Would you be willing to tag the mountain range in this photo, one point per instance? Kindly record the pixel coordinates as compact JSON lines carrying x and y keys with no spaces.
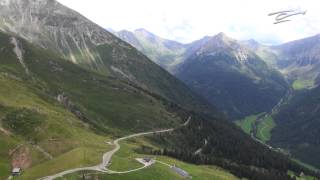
{"x":68,"y":85}
{"x":69,"y":88}
{"x":297,"y":121}
{"x":221,"y":69}
{"x":246,"y":79}
{"x":297,"y":60}
{"x":53,"y":26}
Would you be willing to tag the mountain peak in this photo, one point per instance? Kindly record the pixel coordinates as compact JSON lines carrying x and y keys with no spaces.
{"x":220,"y":41}
{"x":222,"y":37}
{"x":251,"y":43}
{"x":221,"y":34}
{"x":124,"y":31}
{"x":143,"y":31}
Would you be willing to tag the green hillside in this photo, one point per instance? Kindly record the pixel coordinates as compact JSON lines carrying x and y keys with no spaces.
{"x":59,"y":29}
{"x":125,"y":160}
{"x":247,"y":123}
{"x":92,"y":108}
{"x":297,"y":126}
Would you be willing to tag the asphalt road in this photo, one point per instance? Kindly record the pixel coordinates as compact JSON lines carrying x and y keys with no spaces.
{"x":108,"y":155}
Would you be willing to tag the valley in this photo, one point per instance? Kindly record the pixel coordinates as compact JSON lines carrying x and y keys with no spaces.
{"x":295,"y":63}
{"x":80,"y":102}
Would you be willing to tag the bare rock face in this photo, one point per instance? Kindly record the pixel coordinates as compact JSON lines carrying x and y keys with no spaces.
{"x":21,"y":158}
{"x":68,"y":104}
{"x":51,"y":25}
{"x":220,"y":44}
{"x":18,"y":50}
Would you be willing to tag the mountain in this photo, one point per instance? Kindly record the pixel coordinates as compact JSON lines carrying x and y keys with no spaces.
{"x":300,"y":60}
{"x":298,"y":125}
{"x":53,"y":26}
{"x":297,"y":60}
{"x":214,"y":67}
{"x":52,"y":110}
{"x":164,"y":52}
{"x":297,"y":120}
{"x":254,"y":77}
{"x":265,"y":52}
{"x":59,"y":113}
{"x":232,"y":77}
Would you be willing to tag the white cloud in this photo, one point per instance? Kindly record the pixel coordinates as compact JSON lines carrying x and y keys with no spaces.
{"x":188,"y":20}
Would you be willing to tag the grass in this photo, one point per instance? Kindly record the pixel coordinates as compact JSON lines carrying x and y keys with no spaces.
{"x":78,"y":157}
{"x":300,"y":84}
{"x":308,"y":166}
{"x":109,"y":106}
{"x":6,"y":143}
{"x":30,"y":112}
{"x":124,"y":160}
{"x":264,"y":129}
{"x":247,"y":123}
{"x":159,"y":171}
{"x":72,"y":137}
{"x":298,"y":177}
{"x":23,"y":122}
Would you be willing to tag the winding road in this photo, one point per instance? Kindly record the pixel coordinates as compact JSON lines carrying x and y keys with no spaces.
{"x":106,"y":158}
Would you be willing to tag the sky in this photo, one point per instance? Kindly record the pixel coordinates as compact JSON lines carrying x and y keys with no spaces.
{"x":189,"y":20}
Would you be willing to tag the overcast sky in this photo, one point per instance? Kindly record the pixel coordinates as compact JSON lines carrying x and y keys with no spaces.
{"x":189,"y":20}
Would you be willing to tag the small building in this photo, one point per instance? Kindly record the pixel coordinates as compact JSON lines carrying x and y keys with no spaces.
{"x":147,"y":160}
{"x":16,"y":171}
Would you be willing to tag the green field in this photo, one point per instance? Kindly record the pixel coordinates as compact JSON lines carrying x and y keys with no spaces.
{"x":247,"y":123}
{"x":302,"y":84}
{"x":125,"y":160}
{"x":264,"y":129}
{"x":301,"y":177}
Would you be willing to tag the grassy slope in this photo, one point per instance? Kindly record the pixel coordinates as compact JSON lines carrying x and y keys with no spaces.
{"x":303,"y":177}
{"x":108,"y":103}
{"x":302,"y":84}
{"x":59,"y":124}
{"x":6,"y":143}
{"x":148,"y":75}
{"x":264,"y":129}
{"x":159,"y":171}
{"x":247,"y":123}
{"x":124,"y":160}
{"x":110,"y":106}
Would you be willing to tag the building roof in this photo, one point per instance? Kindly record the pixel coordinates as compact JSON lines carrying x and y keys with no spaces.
{"x":16,"y":170}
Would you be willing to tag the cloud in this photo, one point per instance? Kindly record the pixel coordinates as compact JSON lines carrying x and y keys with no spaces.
{"x":188,"y":20}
